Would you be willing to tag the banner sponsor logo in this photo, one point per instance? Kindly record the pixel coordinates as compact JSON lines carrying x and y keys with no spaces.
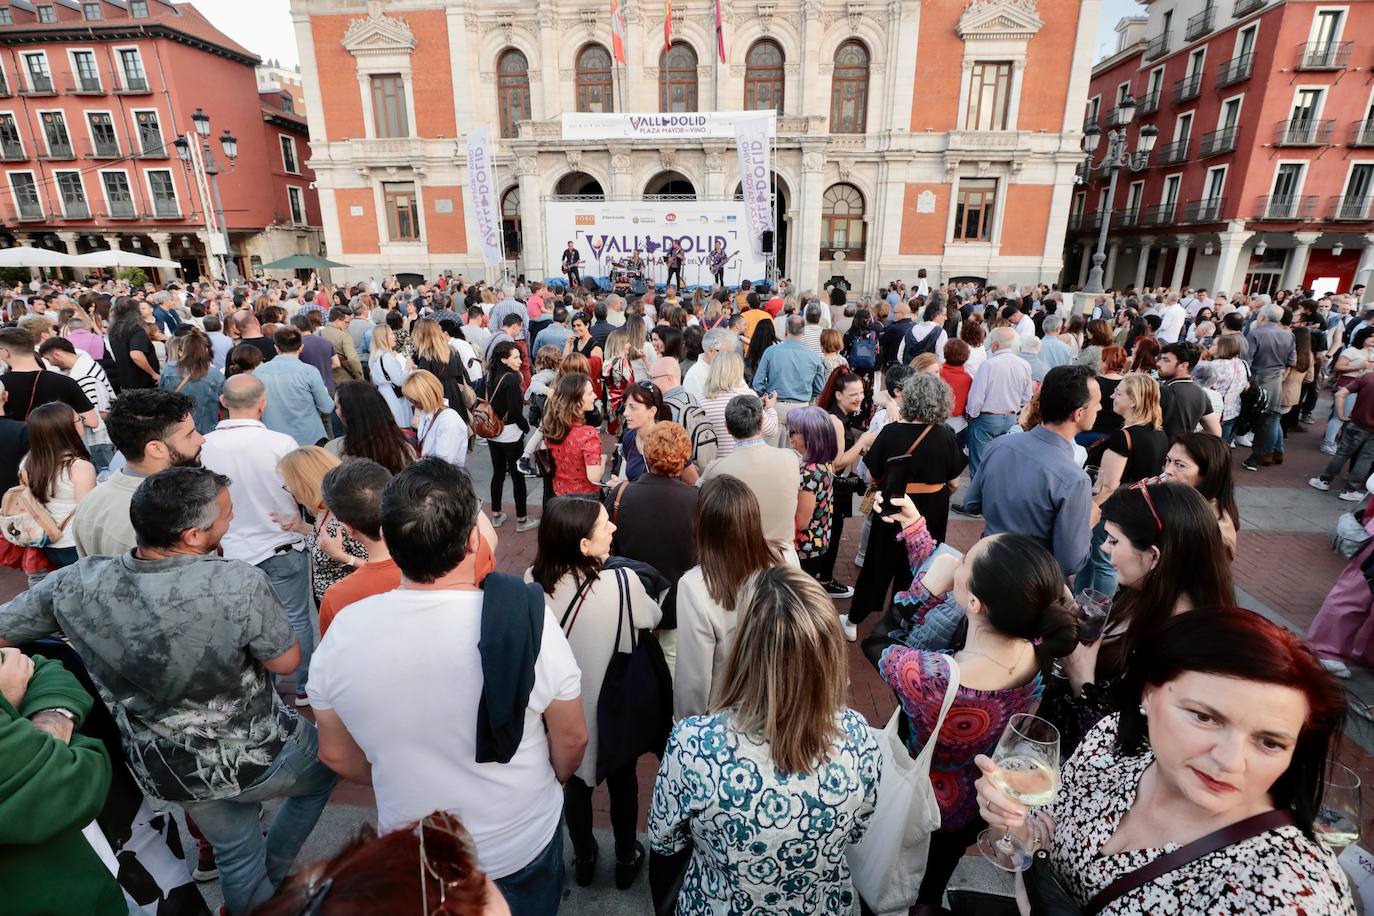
{"x":655,"y":126}
{"x":486,"y":209}
{"x":751,"y":143}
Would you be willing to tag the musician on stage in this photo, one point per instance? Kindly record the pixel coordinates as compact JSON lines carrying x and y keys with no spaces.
{"x":676,"y":258}
{"x":570,"y":261}
{"x":636,"y":264}
{"x":718,"y":259}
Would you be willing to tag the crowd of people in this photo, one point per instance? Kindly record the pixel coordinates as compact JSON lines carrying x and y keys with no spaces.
{"x":258,"y":564}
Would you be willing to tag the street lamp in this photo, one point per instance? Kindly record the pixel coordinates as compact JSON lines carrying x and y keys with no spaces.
{"x":1116,"y":158}
{"x":230,"y":146}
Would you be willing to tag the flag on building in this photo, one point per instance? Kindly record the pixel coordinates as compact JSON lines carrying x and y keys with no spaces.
{"x":720,"y":34}
{"x":618,"y":32}
{"x":668,"y":25}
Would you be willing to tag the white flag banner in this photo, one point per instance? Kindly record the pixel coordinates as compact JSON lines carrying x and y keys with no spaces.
{"x":486,"y":209}
{"x":751,"y":142}
{"x":695,"y":125}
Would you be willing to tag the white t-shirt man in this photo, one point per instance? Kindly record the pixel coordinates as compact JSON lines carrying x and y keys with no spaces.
{"x":403,"y":672}
{"x":1171,"y":322}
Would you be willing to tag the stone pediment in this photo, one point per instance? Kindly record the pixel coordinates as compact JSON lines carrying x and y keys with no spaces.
{"x":999,"y":19}
{"x":378,"y":34}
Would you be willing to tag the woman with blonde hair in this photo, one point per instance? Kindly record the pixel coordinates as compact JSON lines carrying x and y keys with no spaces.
{"x":435,"y":355}
{"x":778,"y":719}
{"x":389,"y":373}
{"x":439,"y":428}
{"x":333,"y":553}
{"x":725,"y":381}
{"x":194,"y":375}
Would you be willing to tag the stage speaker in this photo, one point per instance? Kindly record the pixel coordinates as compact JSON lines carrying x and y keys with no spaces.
{"x":590,"y":285}
{"x":768,"y":241}
{"x":639,"y":287}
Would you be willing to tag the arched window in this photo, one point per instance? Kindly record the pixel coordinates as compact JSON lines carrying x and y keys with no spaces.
{"x":763,"y":76}
{"x":670,"y":185}
{"x":512,"y":90}
{"x":677,"y":79}
{"x":594,"y":87}
{"x":849,"y":89}
{"x":842,"y":222}
{"x":579,"y":184}
{"x":510,"y":221}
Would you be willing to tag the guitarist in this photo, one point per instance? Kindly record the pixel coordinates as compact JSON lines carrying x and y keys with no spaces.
{"x":571,"y":261}
{"x":718,"y":259}
{"x":676,"y":258}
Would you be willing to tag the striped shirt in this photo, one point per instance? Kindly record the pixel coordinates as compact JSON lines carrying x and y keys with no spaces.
{"x":715,"y":412}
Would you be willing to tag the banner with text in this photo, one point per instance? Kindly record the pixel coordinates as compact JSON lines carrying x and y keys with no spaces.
{"x":751,"y":142}
{"x":609,"y":231}
{"x":486,"y":208}
{"x":703,"y":125}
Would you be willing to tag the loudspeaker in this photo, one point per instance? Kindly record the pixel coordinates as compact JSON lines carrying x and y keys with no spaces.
{"x":767,"y":241}
{"x":639,"y":287}
{"x":590,"y":285}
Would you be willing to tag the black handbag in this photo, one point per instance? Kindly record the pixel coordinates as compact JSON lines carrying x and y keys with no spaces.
{"x":634,"y":712}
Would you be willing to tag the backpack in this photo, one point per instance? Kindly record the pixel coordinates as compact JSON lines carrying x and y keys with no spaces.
{"x":1254,"y":404}
{"x":913,"y":348}
{"x":485,"y":422}
{"x":25,"y":523}
{"x":863,"y":352}
{"x":689,"y":414}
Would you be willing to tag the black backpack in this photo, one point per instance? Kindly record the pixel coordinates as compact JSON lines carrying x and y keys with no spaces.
{"x":927,"y":344}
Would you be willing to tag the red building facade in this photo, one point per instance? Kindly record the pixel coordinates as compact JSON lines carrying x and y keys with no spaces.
{"x":1263,"y":173}
{"x":92,"y":98}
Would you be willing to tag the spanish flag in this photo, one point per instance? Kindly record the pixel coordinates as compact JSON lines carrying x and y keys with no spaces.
{"x":668,"y":25}
{"x":618,"y":31}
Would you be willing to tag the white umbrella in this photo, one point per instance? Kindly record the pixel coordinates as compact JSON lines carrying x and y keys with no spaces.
{"x":25,"y":256}
{"x":117,"y":257}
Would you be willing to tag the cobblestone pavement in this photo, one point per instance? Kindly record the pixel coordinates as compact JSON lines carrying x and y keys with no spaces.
{"x":1284,"y":567}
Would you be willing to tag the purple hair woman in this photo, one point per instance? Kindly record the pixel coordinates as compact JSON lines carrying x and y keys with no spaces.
{"x":812,"y":435}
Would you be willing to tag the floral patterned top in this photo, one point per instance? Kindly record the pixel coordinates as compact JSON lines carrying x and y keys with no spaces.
{"x":820,"y":480}
{"x":1229,"y":379}
{"x":1280,"y":871}
{"x":763,"y":842}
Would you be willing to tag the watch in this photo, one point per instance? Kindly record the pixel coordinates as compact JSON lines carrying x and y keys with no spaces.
{"x":64,"y":713}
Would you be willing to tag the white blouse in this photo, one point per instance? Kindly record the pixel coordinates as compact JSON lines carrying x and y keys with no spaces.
{"x":443,"y":434}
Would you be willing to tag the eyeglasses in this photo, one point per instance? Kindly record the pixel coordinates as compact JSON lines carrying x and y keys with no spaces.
{"x":441,"y":827}
{"x":1144,"y":488}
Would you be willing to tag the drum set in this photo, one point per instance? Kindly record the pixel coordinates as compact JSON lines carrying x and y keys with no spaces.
{"x":627,"y":278}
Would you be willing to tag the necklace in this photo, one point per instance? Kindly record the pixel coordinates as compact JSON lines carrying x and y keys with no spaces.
{"x":1010,"y":669}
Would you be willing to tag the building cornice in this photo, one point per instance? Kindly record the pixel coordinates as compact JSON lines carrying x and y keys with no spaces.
{"x":117,"y":31}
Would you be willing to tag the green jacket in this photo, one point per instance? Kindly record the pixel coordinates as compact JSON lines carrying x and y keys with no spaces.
{"x":49,"y":791}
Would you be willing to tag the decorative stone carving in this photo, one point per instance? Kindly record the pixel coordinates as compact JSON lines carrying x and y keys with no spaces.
{"x":574,"y":159}
{"x":844,"y":171}
{"x":527,"y":165}
{"x":378,"y":34}
{"x":813,"y":161}
{"x":791,"y":68}
{"x":999,"y":19}
{"x":855,"y":10}
{"x":567,"y":74}
{"x":811,"y":9}
{"x":894,"y":9}
{"x":590,"y":16}
{"x":506,"y":23}
{"x":621,"y":164}
{"x":715,"y":162}
{"x":737,"y":70}
{"x":984,"y":166}
{"x":667,"y":158}
{"x":765,"y":13}
{"x":546,"y":18}
{"x":826,"y":67}
{"x":651,"y":73}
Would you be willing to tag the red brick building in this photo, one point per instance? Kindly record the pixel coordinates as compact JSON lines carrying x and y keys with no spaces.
{"x":1263,"y":174}
{"x":92,"y":96}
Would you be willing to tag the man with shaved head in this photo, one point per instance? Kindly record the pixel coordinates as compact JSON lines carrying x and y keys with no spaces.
{"x":247,"y":452}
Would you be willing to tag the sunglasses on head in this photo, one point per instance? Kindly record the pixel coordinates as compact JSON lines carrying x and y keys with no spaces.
{"x":1144,"y":488}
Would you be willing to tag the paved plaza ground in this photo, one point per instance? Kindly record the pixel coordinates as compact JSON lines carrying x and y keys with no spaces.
{"x":1284,"y":567}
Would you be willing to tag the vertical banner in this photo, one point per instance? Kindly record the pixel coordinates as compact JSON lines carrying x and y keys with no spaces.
{"x":720,"y":34}
{"x":668,"y":25}
{"x":486,"y":209}
{"x":751,"y":142}
{"x":618,"y":31}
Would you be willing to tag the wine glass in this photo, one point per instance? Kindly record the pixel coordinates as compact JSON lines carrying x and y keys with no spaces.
{"x":1338,"y":820}
{"x":1027,"y":759}
{"x":1093,"y":608}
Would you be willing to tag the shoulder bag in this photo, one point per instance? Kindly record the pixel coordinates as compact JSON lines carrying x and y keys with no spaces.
{"x":1048,"y":897}
{"x":395,"y":388}
{"x":866,"y":505}
{"x":24,"y":522}
{"x":634,"y":712}
{"x":889,"y":862}
{"x":485,"y":422}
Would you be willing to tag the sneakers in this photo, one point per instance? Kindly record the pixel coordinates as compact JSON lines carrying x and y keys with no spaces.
{"x":627,"y":871}
{"x":1352,"y":496}
{"x":837,"y":591}
{"x":302,"y":699}
{"x":498,"y":519}
{"x":967,"y":513}
{"x":1317,"y":483}
{"x":207,"y":870}
{"x":584,"y":869}
{"x":1247,"y":440}
{"x":1250,"y":464}
{"x":1327,"y":449}
{"x":851,"y":631}
{"x":1307,"y":419}
{"x":1335,"y":666}
{"x":525,"y":524}
{"x":523,"y":466}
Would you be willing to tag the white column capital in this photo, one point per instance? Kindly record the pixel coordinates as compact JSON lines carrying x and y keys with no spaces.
{"x":1368,"y":239}
{"x":1184,"y":241}
{"x":112,"y":239}
{"x":1306,"y":239}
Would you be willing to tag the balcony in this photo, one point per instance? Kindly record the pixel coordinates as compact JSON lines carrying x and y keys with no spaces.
{"x":28,"y":210}
{"x":1217,"y":142}
{"x":106,"y":149}
{"x":1158,"y":215}
{"x":1075,"y":221}
{"x":5,"y":91}
{"x":76,"y":209}
{"x":1352,"y":209}
{"x":152,"y":149}
{"x":1207,"y":210}
{"x":1148,"y":104}
{"x":1200,"y":24}
{"x":60,"y":151}
{"x":1157,"y":46}
{"x":1117,"y":117}
{"x":39,"y":85}
{"x":1235,"y":70}
{"x":1093,"y":220}
{"x":1246,"y":7}
{"x":1127,"y":217}
{"x":121,"y":206}
{"x":1324,"y":55}
{"x":1285,"y":208}
{"x":1188,"y":88}
{"x":12,"y":152}
{"x":1362,"y":133}
{"x":1174,"y":153}
{"x":1304,"y":132}
{"x":165,"y":209}
{"x":86,"y":85}
{"x":134,"y":85}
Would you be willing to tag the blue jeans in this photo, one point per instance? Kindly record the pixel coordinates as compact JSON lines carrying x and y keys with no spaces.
{"x":981,"y":431}
{"x":1268,"y":436}
{"x":251,"y":865}
{"x":537,"y":889}
{"x":1228,"y":430}
{"x":1099,"y":573}
{"x":290,"y":575}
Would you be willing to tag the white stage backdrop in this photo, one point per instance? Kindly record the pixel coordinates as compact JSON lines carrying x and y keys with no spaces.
{"x":606,"y":231}
{"x":619,"y":125}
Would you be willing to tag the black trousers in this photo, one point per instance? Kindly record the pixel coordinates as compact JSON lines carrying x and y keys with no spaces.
{"x":885,"y":567}
{"x":574,"y":277}
{"x":947,"y":848}
{"x":623,"y":787}
{"x":504,"y":455}
{"x":718,"y":277}
{"x":674,"y":272}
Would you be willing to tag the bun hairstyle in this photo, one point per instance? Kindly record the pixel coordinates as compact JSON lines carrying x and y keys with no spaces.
{"x":1021,"y":585}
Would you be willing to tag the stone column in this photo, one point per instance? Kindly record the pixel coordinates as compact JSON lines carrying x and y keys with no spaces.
{"x":811,"y":31}
{"x":112,"y":240}
{"x":531,"y":229}
{"x":1142,"y":261}
{"x":1297,"y":261}
{"x":68,"y":240}
{"x":1085,"y":263}
{"x":1364,"y":273}
{"x":621,"y":165}
{"x":1109,"y":269}
{"x":163,"y":241}
{"x":27,"y":242}
{"x":807,"y":269}
{"x":1185,"y":246}
{"x":1232,"y":243}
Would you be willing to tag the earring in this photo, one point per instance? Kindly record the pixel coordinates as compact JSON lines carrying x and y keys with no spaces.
{"x":1142,"y":709}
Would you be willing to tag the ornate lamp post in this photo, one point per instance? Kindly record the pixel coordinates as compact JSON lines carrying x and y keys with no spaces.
{"x":202,"y":160}
{"x":1115,"y":159}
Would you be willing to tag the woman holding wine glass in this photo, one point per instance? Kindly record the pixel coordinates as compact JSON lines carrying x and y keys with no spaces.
{"x":1224,"y":745}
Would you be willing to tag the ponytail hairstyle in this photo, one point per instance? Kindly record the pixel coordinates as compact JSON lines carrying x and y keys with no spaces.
{"x":1021,"y":586}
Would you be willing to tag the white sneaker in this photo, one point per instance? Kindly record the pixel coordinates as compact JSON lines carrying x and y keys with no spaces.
{"x":1327,"y":449}
{"x":1352,"y":496}
{"x":1246,"y":441}
{"x":851,"y":631}
{"x":1336,"y":667}
{"x":1317,"y":483}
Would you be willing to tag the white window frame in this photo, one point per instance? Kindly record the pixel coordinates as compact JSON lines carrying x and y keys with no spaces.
{"x":100,"y":8}
{"x":305,"y":214}
{"x":1316,"y":21}
{"x":105,"y":192}
{"x":76,"y":74}
{"x":1207,"y":182}
{"x":1239,"y":99}
{"x":57,"y":188}
{"x":399,"y":64}
{"x":1198,"y":54}
{"x":1349,"y":174}
{"x":1122,"y":90}
{"x":1136,"y":191}
{"x":1079,"y":204}
{"x":384,"y":227}
{"x":1094,"y":111}
{"x":1155,"y":82}
{"x":37,"y":190}
{"x":282,"y":140}
{"x":118,"y":51}
{"x":152,"y":200}
{"x":1176,"y":179}
{"x":45,"y":9}
{"x":1323,"y":93}
{"x":1302,"y":175}
{"x":1254,"y":45}
{"x":994,"y":239}
{"x":136,"y":138}
{"x":6,"y":17}
{"x":1180,"y":119}
{"x":90,"y":131}
{"x":15,"y":117}
{"x":43,"y":131}
{"x":28,"y":76}
{"x":146,"y":11}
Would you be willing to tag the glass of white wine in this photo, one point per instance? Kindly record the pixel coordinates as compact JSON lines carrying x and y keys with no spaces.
{"x":1338,"y":820}
{"x":1027,"y":759}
